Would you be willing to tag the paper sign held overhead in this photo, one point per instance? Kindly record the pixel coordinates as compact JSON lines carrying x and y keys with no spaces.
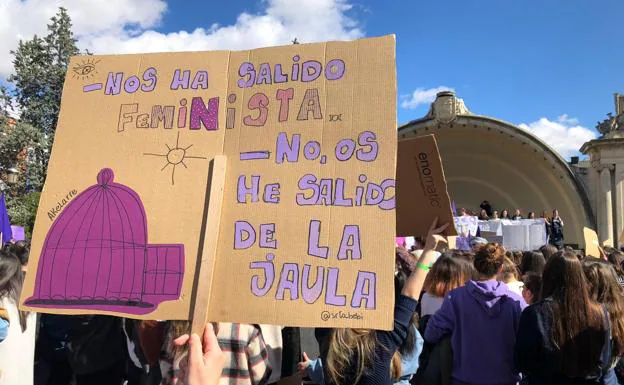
{"x":592,"y":245}
{"x":421,"y":188}
{"x":307,"y":226}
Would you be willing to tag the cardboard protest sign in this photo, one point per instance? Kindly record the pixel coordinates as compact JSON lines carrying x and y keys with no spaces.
{"x":421,"y":193}
{"x":307,"y":223}
{"x":592,"y":245}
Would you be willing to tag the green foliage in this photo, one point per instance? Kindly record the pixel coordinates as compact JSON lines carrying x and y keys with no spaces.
{"x":23,"y":210}
{"x":39,"y":65}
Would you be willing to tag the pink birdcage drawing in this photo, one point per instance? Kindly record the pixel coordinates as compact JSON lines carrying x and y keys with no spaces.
{"x":96,"y":256}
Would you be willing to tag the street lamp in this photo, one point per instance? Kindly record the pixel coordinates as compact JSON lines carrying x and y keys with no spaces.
{"x":12,"y":175}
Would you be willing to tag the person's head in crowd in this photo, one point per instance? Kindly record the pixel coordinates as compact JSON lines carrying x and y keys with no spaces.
{"x":419,"y":243}
{"x":555,"y":213}
{"x":489,"y":261}
{"x":532,"y":262}
{"x":404,"y":259}
{"x":21,"y":250}
{"x":483,"y":215}
{"x":616,"y":259}
{"x":548,"y":251}
{"x":516,"y":257}
{"x":504,"y":214}
{"x":605,"y":289}
{"x":510,"y":276}
{"x":509,"y":273}
{"x":532,"y":288}
{"x":11,"y":281}
{"x":462,"y":212}
{"x":477,"y":242}
{"x":446,"y":274}
{"x":495,"y":214}
{"x":517,"y":214}
{"x":577,"y":321}
{"x":531,"y":215}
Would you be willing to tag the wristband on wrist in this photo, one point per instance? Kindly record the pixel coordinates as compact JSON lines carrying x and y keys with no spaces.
{"x":423,"y":267}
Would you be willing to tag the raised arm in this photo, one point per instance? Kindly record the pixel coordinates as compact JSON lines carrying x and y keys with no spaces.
{"x":414,"y":283}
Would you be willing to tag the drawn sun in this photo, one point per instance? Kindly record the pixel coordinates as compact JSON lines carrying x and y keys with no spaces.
{"x":175,"y":156}
{"x":86,"y":69}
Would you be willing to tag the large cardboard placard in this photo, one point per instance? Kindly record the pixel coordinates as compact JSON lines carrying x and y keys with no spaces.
{"x":307,"y":226}
{"x":592,"y":244}
{"x":421,"y":188}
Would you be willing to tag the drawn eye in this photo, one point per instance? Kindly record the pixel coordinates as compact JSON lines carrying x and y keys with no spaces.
{"x":84,"y":69}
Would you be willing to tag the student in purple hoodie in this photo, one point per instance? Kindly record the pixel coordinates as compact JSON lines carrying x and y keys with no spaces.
{"x":482,"y":319}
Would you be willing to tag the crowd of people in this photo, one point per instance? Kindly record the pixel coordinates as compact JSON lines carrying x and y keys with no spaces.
{"x":484,"y":316}
{"x":554,"y":224}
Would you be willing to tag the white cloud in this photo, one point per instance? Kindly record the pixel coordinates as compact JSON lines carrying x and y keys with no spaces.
{"x":124,"y":26}
{"x":564,"y":134}
{"x":422,"y":96}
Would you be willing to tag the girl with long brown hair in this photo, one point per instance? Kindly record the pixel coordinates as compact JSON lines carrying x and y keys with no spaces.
{"x":605,"y":289}
{"x":364,"y":356}
{"x":446,"y":274}
{"x":565,"y":337}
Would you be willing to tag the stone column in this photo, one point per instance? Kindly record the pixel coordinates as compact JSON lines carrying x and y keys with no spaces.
{"x":605,"y":207}
{"x":619,"y":201}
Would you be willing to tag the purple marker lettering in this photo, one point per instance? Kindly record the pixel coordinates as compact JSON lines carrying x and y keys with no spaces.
{"x":200,"y":80}
{"x":334,"y":69}
{"x":310,"y":70}
{"x":312,"y":294}
{"x":331,"y":296}
{"x":388,"y":203}
{"x":287,"y":149}
{"x":244,"y":235}
{"x":350,"y":243}
{"x":269,"y":276}
{"x":313,"y":241}
{"x":361,"y":292}
{"x":150,"y":76}
{"x":307,"y":182}
{"x":367,"y":139}
{"x":374,"y":194}
{"x":278,"y":75}
{"x":267,"y":232}
{"x":288,"y":282}
{"x":340,"y":199}
{"x":264,"y":75}
{"x":325,"y":193}
{"x":312,"y":150}
{"x":113,"y":83}
{"x":246,"y":69}
{"x":272,"y":193}
{"x":243,"y":190}
{"x":345,"y":149}
{"x":180,"y":79}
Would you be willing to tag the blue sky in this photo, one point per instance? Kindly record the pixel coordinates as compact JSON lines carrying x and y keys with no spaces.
{"x":516,"y":60}
{"x":550,"y":66}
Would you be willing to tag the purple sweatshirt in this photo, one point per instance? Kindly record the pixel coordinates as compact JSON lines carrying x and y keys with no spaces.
{"x":482,"y":319}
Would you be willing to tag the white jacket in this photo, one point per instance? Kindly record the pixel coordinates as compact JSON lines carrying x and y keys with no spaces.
{"x":17,"y":351}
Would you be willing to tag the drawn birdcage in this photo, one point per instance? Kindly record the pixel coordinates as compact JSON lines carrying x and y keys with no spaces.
{"x":96,"y":255}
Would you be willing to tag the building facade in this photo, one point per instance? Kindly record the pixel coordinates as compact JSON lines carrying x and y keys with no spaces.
{"x":489,"y":159}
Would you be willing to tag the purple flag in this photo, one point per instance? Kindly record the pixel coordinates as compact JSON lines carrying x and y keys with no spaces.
{"x":5,"y":225}
{"x":453,"y":208}
{"x":18,"y":233}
